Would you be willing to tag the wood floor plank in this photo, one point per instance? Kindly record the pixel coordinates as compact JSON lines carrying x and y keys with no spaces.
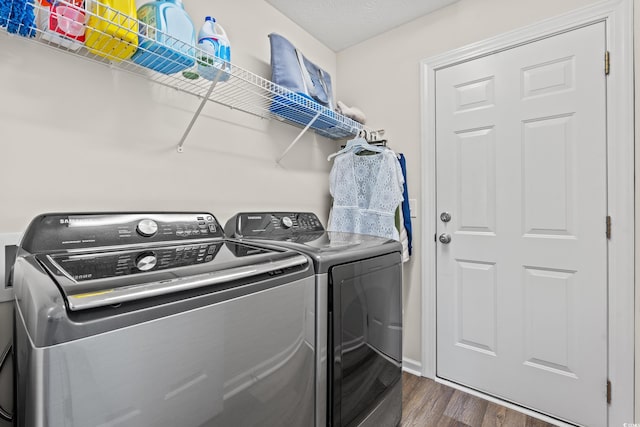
{"x":427,"y":399}
{"x":534,"y":422}
{"x":429,"y":407}
{"x":409,"y":383}
{"x":494,"y":416}
{"x":466,"y":408}
{"x":446,"y":421}
{"x":427,"y":403}
{"x":499,"y":416}
{"x":516,"y":419}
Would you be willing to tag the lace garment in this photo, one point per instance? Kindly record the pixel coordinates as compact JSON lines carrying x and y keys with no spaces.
{"x":366,"y":191}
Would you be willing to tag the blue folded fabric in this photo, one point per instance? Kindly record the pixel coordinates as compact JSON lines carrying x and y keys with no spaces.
{"x":292,"y":70}
{"x":406,"y":212}
{"x":18,"y":17}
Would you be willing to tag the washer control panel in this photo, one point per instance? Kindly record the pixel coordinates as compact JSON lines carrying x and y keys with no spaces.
{"x":270,"y":225}
{"x":92,"y":266}
{"x":54,"y":232}
{"x":147,"y":227}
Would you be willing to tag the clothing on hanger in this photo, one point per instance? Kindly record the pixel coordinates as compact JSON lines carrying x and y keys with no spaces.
{"x":366,"y":191}
{"x":357,"y":145}
{"x":404,"y":240}
{"x":406,"y":212}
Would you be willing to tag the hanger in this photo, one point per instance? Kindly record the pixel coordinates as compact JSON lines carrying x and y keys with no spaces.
{"x":356,"y":145}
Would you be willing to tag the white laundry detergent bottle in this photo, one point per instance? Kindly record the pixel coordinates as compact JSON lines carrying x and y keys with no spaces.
{"x":215,"y":51}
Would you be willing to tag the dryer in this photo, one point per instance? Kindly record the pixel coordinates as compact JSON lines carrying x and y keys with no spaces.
{"x":155,"y":319}
{"x":358,"y":314}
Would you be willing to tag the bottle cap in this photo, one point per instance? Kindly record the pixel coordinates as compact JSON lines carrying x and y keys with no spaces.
{"x":209,"y":18}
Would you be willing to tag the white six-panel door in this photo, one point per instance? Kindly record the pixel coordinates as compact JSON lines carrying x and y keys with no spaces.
{"x":521,"y":169}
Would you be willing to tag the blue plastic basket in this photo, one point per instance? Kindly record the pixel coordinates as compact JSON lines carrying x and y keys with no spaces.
{"x":301,"y":109}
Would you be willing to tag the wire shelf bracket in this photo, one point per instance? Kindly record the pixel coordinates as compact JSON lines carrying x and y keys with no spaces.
{"x":295,"y":141}
{"x":197,"y":114}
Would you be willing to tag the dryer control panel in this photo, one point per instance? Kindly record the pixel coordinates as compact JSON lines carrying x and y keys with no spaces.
{"x":61,"y":232}
{"x":273,"y":225}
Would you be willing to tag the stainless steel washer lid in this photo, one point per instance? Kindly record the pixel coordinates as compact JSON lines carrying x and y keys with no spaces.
{"x":307,"y":235}
{"x":94,"y":279}
{"x":78,"y":275}
{"x":100,"y":259}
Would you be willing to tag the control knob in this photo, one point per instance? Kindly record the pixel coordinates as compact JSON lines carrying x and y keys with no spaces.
{"x":147,"y":228}
{"x":146,"y":261}
{"x":286,"y":222}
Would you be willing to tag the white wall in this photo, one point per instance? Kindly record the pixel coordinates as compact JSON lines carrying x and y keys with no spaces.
{"x":79,"y":136}
{"x":382,"y":77}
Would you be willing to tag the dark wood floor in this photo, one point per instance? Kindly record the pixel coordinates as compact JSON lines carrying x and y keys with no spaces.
{"x":426,"y":403}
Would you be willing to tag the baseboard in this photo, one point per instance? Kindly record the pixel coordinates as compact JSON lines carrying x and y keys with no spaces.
{"x":412,"y":366}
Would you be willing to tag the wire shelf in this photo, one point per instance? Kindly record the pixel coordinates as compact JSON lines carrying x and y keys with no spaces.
{"x":101,"y":34}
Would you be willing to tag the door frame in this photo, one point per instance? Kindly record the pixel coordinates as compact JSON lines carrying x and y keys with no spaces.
{"x":618,"y":17}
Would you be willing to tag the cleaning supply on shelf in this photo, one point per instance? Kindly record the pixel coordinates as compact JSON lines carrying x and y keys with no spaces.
{"x":63,"y":23}
{"x":18,"y":17}
{"x":351,"y":112}
{"x":215,"y":51}
{"x":112,"y":30}
{"x":167,"y":37}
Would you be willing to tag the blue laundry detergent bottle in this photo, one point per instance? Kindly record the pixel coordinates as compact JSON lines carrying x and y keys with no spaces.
{"x":166,"y":38}
{"x":214,"y":51}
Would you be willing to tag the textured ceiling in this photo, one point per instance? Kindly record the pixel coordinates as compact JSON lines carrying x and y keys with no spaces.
{"x":343,"y":23}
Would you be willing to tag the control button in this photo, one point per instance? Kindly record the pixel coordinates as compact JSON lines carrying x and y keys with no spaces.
{"x":146,"y":261}
{"x":201,"y":222}
{"x":147,"y":228}
{"x":286,"y":222}
{"x":211,"y":249}
{"x":209,"y":218}
{"x":212,"y":228}
{"x":204,"y":231}
{"x":208,"y":258}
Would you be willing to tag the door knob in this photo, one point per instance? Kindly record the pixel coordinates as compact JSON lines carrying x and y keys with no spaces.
{"x":445,"y":217}
{"x":445,"y":238}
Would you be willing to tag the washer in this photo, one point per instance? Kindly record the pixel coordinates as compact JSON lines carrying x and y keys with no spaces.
{"x":155,"y":319}
{"x":359,"y":314}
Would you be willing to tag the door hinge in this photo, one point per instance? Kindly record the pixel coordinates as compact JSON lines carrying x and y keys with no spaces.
{"x":608,"y":227}
{"x":606,"y":63}
{"x":608,"y":392}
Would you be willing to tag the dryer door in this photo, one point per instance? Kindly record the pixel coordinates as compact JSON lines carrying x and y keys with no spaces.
{"x":365,"y":324}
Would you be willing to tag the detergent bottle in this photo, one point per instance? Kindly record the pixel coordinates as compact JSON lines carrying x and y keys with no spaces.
{"x":215,"y":51}
{"x":167,"y":37}
{"x":63,"y":23}
{"x":112,"y":30}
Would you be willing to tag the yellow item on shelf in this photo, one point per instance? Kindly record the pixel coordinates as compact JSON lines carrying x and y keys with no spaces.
{"x":112,"y":30}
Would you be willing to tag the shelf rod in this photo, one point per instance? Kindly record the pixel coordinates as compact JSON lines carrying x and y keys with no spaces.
{"x":295,"y":141}
{"x":198,"y":111}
